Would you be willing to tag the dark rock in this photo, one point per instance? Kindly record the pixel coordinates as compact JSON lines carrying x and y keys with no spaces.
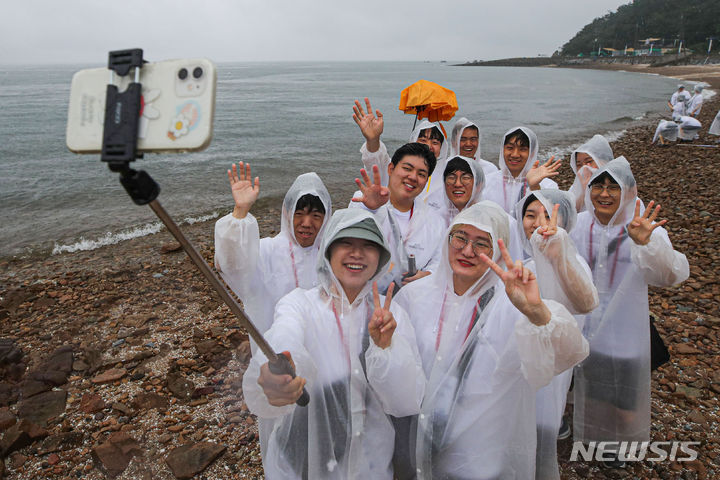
{"x":9,"y":351}
{"x":122,"y":408}
{"x":149,"y":401}
{"x":19,"y":436}
{"x":189,"y":460}
{"x":93,"y":358}
{"x":115,"y":454}
{"x":8,"y":394}
{"x":243,"y":352}
{"x":53,"y":377}
{"x":43,"y":406}
{"x":91,"y":403}
{"x":30,"y":388}
{"x":180,"y":386}
{"x":170,"y":247}
{"x":64,"y":439}
{"x":236,"y":338}
{"x":207,"y":346}
{"x":200,"y":391}
{"x":61,"y":360}
{"x":7,"y":419}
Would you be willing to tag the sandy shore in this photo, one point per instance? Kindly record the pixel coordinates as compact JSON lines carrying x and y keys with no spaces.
{"x":157,"y":361}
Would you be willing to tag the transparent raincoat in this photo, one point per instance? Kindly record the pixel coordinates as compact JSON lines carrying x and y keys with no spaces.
{"x":261,"y":271}
{"x":600,"y":150}
{"x":433,"y":190}
{"x":421,"y":238}
{"x":484,"y":361}
{"x":460,"y":125}
{"x":688,"y":127}
{"x":667,"y":129}
{"x":563,"y":276}
{"x":504,"y":189}
{"x":715,"y":125}
{"x":696,"y":102}
{"x":344,"y":432}
{"x":612,"y":386}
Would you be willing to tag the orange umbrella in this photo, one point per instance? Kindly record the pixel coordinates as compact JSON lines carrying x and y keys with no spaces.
{"x":428,"y":100}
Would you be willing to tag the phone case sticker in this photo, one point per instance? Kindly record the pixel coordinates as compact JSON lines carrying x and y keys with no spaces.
{"x":147,"y":110}
{"x":187,"y":117}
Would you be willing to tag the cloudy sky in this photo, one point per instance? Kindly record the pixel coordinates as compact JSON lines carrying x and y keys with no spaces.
{"x":69,"y":31}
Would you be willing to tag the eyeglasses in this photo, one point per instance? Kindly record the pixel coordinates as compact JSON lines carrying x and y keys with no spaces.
{"x":466,"y":179}
{"x":458,"y":241}
{"x":612,"y":189}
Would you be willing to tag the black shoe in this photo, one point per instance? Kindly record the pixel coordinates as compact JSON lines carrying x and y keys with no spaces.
{"x":564,"y":431}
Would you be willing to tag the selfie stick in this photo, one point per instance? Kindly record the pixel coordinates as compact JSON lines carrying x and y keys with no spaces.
{"x":122,"y":115}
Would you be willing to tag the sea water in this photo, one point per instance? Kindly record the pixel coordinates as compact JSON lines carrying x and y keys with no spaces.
{"x":285,"y":119}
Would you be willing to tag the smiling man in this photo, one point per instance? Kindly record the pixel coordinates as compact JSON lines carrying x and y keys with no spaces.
{"x":410,"y":226}
{"x":520,"y":170}
{"x":465,"y":141}
{"x":259,"y":271}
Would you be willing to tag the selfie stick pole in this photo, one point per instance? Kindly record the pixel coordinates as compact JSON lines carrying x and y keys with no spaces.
{"x":122,"y":113}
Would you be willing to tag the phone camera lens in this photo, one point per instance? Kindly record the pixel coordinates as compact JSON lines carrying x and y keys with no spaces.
{"x":182,"y":74}
{"x":197,"y":73}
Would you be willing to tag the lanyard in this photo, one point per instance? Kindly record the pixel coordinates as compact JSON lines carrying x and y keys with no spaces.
{"x":292,"y":258}
{"x":617,"y":251}
{"x":340,"y":331}
{"x":522,"y":192}
{"x":473,"y":319}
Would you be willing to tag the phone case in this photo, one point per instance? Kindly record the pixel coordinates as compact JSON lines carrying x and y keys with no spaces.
{"x":177,"y":106}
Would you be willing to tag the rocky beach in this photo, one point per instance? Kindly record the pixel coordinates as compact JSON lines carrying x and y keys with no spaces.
{"x":121,"y":362}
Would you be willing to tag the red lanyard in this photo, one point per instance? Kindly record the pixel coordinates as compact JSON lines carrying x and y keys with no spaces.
{"x":617,"y":252}
{"x":340,"y":331}
{"x":442,"y":320}
{"x":292,"y":258}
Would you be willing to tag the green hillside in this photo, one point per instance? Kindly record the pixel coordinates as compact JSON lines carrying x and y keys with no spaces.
{"x":691,"y":21}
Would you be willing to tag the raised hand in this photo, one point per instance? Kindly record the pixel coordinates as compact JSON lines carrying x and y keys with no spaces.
{"x":520,"y":286}
{"x":547,"y":229}
{"x":382,"y":323}
{"x":539,"y":172}
{"x":371,"y":124}
{"x":420,"y":274}
{"x":374,"y":195}
{"x":584,"y":175}
{"x":280,"y":390}
{"x":243,"y":191}
{"x":642,"y":226}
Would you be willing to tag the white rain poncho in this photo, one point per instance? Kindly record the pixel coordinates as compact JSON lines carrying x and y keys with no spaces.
{"x":667,"y":129}
{"x":344,"y":432}
{"x":460,"y":125}
{"x":559,"y":269}
{"x":504,"y":189}
{"x":433,"y":190}
{"x":689,"y":127}
{"x":680,"y":97}
{"x":600,"y":150}
{"x":261,"y":271}
{"x":715,"y":125}
{"x":612,"y":386}
{"x":421,"y":237}
{"x":696,"y":102}
{"x":484,"y":361}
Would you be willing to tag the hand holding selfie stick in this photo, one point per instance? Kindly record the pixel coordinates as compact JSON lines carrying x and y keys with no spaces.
{"x":122,"y":115}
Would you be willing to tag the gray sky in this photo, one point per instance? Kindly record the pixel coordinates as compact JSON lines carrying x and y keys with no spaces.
{"x":83,"y":31}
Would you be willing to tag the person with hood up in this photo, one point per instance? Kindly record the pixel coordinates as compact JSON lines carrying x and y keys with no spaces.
{"x":410,"y":226}
{"x":261,"y":271}
{"x":487,"y":342}
{"x":688,"y":127}
{"x":355,"y":353}
{"x":627,"y":251}
{"x":584,"y":161}
{"x":563,"y":276}
{"x":464,"y":182}
{"x":465,"y":141}
{"x":520,"y":170}
{"x":374,"y":151}
{"x":715,"y":126}
{"x":679,"y":100}
{"x":666,"y":131}
{"x":696,"y":102}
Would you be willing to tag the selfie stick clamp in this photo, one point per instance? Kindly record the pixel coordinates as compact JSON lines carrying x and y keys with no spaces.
{"x":120,"y":134}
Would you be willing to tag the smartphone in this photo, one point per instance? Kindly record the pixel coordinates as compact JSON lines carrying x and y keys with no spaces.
{"x":177,"y":106}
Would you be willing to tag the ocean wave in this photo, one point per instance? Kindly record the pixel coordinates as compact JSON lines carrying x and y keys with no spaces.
{"x":111,"y":238}
{"x":565,"y":151}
